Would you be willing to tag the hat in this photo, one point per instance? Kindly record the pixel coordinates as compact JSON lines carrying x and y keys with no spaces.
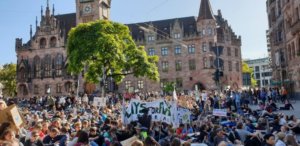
{"x":139,"y":126}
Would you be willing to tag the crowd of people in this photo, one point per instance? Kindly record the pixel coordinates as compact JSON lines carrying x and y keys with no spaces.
{"x":71,"y":121}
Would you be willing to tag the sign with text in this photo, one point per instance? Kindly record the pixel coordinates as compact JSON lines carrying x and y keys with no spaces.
{"x":220,"y":112}
{"x":99,"y":101}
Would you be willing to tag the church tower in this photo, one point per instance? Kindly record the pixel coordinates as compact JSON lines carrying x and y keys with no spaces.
{"x":91,"y":10}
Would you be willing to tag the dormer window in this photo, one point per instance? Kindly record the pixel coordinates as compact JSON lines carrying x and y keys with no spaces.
{"x":151,"y":38}
{"x":177,"y":36}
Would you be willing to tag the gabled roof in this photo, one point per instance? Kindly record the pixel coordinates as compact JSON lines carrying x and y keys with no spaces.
{"x":205,"y":11}
{"x":66,"y":22}
{"x":163,"y":27}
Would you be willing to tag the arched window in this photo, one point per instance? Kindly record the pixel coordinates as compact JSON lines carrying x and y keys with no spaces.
{"x":47,"y":63}
{"x":37,"y":67}
{"x":68,"y":87}
{"x":43,"y":43}
{"x":58,"y":65}
{"x":22,"y":90}
{"x":22,"y":74}
{"x":53,"y":42}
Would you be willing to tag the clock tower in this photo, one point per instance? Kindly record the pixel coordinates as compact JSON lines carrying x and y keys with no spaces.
{"x":91,"y":10}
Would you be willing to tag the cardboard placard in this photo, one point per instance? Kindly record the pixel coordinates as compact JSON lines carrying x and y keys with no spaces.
{"x":12,"y":115}
{"x":99,"y":101}
{"x":129,"y":141}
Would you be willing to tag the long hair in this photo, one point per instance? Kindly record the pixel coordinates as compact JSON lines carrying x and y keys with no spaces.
{"x":83,"y":137}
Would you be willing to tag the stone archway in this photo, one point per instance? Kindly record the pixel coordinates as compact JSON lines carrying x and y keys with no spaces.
{"x":22,"y":90}
{"x":200,"y":86}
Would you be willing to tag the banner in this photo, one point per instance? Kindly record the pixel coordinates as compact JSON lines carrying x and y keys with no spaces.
{"x":220,"y":112}
{"x":160,"y":110}
{"x":100,"y":102}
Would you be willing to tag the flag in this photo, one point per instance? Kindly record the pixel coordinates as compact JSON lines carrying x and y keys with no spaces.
{"x":174,"y":95}
{"x":124,"y":122}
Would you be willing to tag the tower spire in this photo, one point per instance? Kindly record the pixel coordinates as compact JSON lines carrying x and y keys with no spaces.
{"x":42,"y":11}
{"x":30,"y":31}
{"x":36,"y":22}
{"x":205,"y":11}
{"x":47,"y":9}
{"x":53,"y":10}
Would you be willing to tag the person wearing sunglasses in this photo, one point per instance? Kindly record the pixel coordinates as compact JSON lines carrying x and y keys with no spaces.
{"x":34,"y":140}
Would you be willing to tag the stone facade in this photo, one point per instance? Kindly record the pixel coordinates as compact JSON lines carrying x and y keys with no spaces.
{"x":42,"y":61}
{"x":284,"y":35}
{"x":184,"y":46}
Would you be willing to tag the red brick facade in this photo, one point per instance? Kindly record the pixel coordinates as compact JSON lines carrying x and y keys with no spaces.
{"x":183,"y":46}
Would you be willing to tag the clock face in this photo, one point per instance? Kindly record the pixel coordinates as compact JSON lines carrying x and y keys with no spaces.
{"x":87,"y":9}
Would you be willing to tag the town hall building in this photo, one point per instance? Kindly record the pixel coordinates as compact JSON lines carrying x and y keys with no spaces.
{"x":185,"y":47}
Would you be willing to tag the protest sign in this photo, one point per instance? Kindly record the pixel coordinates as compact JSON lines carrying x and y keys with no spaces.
{"x":11,"y":115}
{"x":129,"y":141}
{"x":184,"y":115}
{"x":100,"y":102}
{"x":220,"y":112}
{"x":160,"y":110}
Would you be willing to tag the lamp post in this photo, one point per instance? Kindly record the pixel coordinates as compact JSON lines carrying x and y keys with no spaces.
{"x":218,"y":63}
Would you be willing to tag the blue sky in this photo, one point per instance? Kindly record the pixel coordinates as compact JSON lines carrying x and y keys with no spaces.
{"x":248,"y":18}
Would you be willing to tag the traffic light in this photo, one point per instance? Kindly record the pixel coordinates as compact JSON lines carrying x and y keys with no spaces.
{"x":217,"y":75}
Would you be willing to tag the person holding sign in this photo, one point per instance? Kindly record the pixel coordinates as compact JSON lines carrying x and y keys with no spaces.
{"x":2,"y":105}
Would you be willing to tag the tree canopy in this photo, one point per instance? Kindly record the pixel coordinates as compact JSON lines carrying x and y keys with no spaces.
{"x":247,"y":69}
{"x":106,"y":48}
{"x":8,"y":74}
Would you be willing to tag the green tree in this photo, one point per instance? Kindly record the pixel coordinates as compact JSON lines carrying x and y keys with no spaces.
{"x":247,"y":69}
{"x":169,"y":87}
{"x":106,"y":49}
{"x":8,"y":74}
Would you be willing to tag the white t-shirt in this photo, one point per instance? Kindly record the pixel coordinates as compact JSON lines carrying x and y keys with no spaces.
{"x":282,"y":121}
{"x":204,"y":96}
